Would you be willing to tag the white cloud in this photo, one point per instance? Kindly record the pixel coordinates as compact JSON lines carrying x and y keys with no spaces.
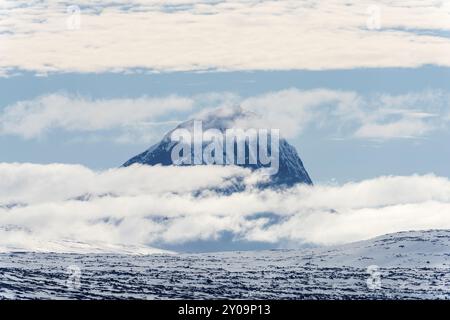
{"x":230,"y":35}
{"x":294,"y":110}
{"x":33,"y":183}
{"x":398,"y":129}
{"x":154,"y":206}
{"x":409,"y":115}
{"x":348,"y":114}
{"x":32,"y":118}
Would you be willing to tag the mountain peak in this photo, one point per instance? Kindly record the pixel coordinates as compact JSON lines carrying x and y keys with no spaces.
{"x":219,"y":118}
{"x":290,"y":170}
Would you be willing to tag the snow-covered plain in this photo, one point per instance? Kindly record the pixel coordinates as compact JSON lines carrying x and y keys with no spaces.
{"x":410,"y":265}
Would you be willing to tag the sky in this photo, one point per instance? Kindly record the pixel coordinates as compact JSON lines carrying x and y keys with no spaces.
{"x":345,"y":147}
{"x":360,"y":88}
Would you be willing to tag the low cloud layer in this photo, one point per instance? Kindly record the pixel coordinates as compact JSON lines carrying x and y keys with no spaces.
{"x":94,"y":36}
{"x":160,"y":207}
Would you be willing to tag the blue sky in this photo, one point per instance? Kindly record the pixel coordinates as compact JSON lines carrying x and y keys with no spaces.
{"x":325,"y":156}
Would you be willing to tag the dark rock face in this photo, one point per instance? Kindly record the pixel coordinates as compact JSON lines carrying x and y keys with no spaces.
{"x":290,"y":172}
{"x":291,"y":169}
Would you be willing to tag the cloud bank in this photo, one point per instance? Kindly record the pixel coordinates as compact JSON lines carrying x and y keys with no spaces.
{"x":346,"y":114}
{"x":32,"y":118}
{"x":159,"y":206}
{"x":130,"y":35}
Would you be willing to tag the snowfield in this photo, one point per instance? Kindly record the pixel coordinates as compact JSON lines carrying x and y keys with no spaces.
{"x":405,"y":265}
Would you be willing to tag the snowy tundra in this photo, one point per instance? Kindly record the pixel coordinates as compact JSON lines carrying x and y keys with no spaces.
{"x":405,"y":265}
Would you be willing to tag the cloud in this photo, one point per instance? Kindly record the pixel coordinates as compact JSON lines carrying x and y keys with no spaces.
{"x":33,"y":183}
{"x":33,"y":118}
{"x":399,"y":129}
{"x":140,"y":205}
{"x":409,"y":115}
{"x":347,"y":114}
{"x":122,"y":36}
{"x":294,"y":110}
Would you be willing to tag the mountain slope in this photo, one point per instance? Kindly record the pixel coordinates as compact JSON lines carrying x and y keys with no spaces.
{"x":408,"y":249}
{"x":291,"y":170}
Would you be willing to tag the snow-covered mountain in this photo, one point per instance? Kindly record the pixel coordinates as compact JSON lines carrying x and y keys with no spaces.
{"x":291,"y":170}
{"x":408,"y":249}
